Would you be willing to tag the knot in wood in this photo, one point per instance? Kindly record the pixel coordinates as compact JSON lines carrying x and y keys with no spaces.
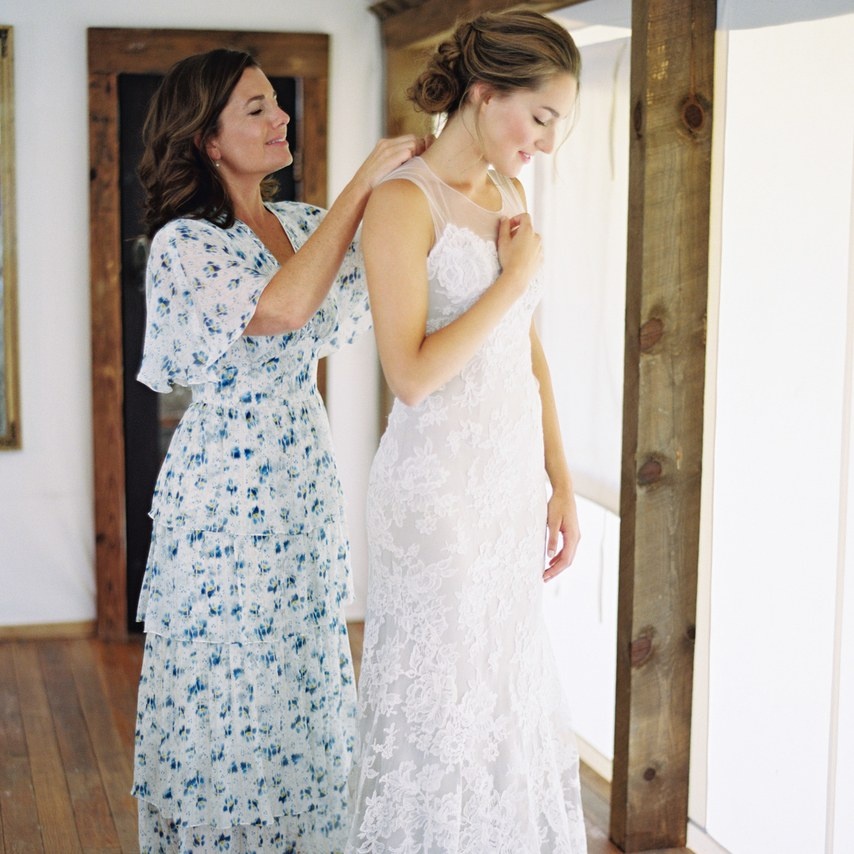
{"x":640,"y":649}
{"x":693,"y":113}
{"x":650,"y":334}
{"x":637,"y":119}
{"x":650,"y":472}
{"x":649,"y":775}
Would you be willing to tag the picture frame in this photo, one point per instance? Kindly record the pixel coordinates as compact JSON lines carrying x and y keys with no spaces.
{"x":10,"y":425}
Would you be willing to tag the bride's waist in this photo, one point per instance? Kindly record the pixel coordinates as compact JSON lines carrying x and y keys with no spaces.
{"x":460,"y":402}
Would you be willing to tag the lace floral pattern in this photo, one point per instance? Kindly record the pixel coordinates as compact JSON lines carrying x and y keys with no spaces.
{"x":464,"y":739}
{"x":246,"y":698}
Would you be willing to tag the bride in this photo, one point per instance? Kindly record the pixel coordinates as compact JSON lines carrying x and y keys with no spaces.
{"x":465,"y":743}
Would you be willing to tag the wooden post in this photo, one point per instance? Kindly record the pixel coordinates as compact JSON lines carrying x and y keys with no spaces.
{"x":669,"y":184}
{"x":107,"y":372}
{"x":403,"y":65}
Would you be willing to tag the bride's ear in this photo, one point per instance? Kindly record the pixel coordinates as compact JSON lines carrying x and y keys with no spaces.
{"x":481,"y":93}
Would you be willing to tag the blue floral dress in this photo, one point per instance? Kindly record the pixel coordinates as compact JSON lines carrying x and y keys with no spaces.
{"x":246,"y":700}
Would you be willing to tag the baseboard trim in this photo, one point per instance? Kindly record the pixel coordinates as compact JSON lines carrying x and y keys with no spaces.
{"x":49,"y":631}
{"x":701,"y":843}
{"x":594,"y":760}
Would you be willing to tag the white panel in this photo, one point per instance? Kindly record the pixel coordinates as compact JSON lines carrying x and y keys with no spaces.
{"x":581,"y":209}
{"x":699,"y":842}
{"x":596,"y":13}
{"x":45,"y":565}
{"x":842,"y":744}
{"x":581,"y":613}
{"x":784,"y":276}
{"x":353,"y":392}
{"x":736,"y":14}
{"x":697,"y":783}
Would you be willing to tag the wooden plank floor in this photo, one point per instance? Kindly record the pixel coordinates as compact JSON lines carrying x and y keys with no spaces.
{"x":67,"y":711}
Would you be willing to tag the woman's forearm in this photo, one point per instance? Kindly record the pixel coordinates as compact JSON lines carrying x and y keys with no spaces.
{"x":298,"y":288}
{"x":412,"y":376}
{"x":555,"y":457}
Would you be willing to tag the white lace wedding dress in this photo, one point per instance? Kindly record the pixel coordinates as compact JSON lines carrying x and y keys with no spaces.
{"x":465,"y":743}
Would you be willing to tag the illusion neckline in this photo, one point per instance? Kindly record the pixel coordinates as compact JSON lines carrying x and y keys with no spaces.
{"x":444,"y":183}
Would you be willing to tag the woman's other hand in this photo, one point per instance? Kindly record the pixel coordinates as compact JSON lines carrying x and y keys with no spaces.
{"x":519,"y":250}
{"x":563,"y":531}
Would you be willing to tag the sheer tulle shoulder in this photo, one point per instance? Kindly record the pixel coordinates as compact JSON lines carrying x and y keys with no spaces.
{"x":450,"y":206}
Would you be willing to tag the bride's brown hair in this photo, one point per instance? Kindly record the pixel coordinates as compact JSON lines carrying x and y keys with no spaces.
{"x":178,"y":178}
{"x":506,"y":50}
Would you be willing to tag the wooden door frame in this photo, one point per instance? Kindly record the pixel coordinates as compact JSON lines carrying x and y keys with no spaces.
{"x":666,"y":297}
{"x":112,"y":52}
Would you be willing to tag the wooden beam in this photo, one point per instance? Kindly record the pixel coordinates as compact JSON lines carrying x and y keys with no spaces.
{"x":667,"y":266}
{"x":107,"y":372}
{"x":416,"y":24}
{"x":403,"y":65}
{"x":10,"y":423}
{"x":149,"y":51}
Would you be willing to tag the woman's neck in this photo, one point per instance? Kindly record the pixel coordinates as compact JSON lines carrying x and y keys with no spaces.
{"x":456,"y":156}
{"x":248,"y":204}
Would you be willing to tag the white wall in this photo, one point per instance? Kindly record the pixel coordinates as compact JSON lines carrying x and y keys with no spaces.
{"x":46,"y":489}
{"x":782,"y":399}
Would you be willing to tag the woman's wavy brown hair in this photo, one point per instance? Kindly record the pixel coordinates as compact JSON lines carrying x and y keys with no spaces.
{"x":178,"y":178}
{"x":506,"y":50}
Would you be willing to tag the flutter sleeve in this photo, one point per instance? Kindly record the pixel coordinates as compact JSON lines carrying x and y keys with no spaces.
{"x":202,"y":287}
{"x":347,"y":302}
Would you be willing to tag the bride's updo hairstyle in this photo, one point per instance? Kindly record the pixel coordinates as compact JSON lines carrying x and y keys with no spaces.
{"x":506,"y":50}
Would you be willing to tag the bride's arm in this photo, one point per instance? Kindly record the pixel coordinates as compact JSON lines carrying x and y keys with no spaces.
{"x":397,"y":235}
{"x":562,"y":513}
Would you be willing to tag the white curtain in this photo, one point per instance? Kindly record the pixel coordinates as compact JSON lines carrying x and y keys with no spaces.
{"x":580,"y":207}
{"x":581,"y":198}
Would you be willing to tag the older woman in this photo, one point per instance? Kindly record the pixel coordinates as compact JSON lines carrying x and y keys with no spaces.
{"x":246,"y":699}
